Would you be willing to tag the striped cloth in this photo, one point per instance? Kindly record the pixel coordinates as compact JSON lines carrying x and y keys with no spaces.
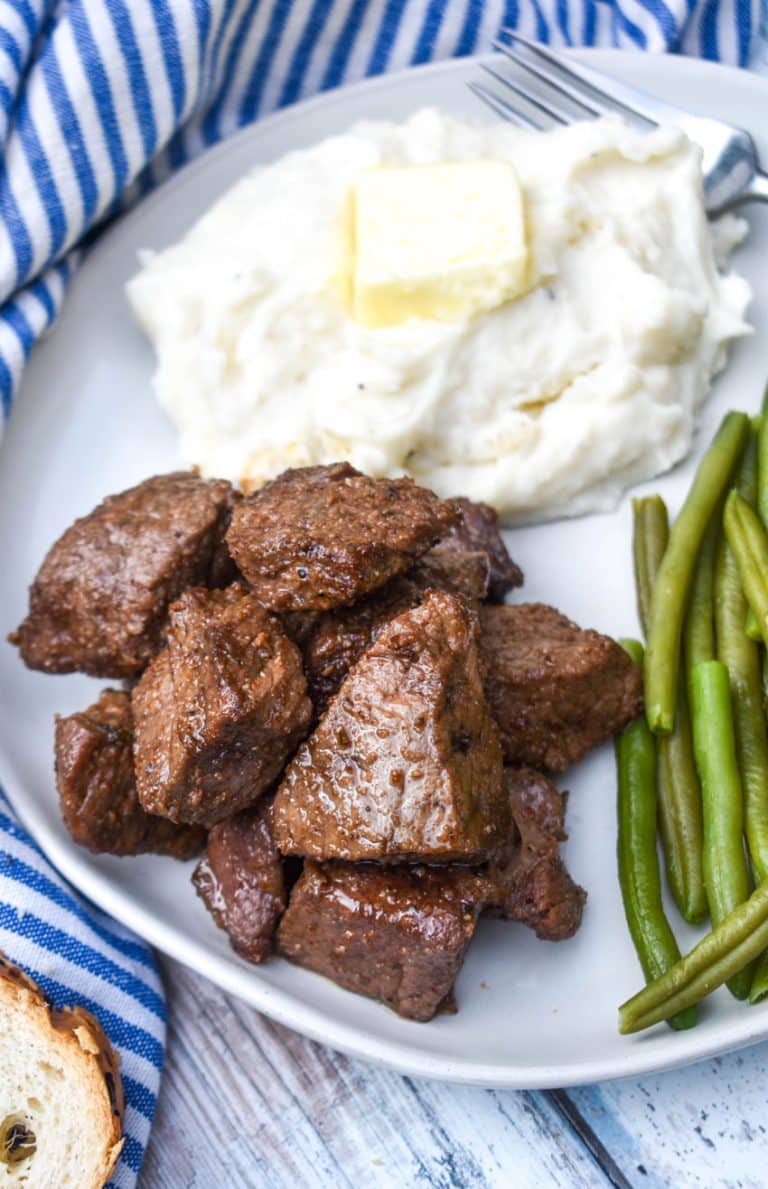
{"x":101,"y":99}
{"x":78,"y":955}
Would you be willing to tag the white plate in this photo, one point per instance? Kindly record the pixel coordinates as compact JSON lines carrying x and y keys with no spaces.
{"x":532,"y":1014}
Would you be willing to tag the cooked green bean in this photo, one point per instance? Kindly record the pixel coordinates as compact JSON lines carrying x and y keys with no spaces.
{"x":725,"y":866}
{"x":746,"y":479}
{"x":635,"y":650}
{"x":679,"y":796}
{"x":639,"y":875}
{"x":699,"y":626}
{"x":680,"y":822}
{"x":762,"y":462}
{"x":731,"y":947}
{"x":747,"y":538}
{"x":759,"y":988}
{"x":752,"y":627}
{"x":742,"y":657}
{"x":760,"y":497}
{"x":747,"y":673}
{"x":673,"y":582}
{"x":649,"y":540}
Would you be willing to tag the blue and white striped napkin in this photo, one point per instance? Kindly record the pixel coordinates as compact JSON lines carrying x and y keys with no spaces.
{"x":79,"y":955}
{"x":99,"y":101}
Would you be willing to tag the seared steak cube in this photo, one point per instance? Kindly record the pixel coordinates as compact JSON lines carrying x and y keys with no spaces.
{"x":219,"y":711}
{"x":334,"y":640}
{"x":97,"y":786}
{"x":529,"y":882}
{"x":398,"y":934}
{"x":556,"y":691}
{"x":478,"y":529}
{"x":458,"y":571}
{"x":242,"y":883}
{"x":339,"y":638}
{"x":99,"y":601}
{"x":406,"y":762}
{"x":321,"y":537}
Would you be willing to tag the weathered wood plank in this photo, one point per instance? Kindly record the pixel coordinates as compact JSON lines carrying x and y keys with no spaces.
{"x":246,"y":1102}
{"x":582,"y":1127}
{"x":704,"y":1125}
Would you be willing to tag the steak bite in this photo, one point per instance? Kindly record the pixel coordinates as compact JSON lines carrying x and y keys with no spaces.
{"x":457,"y":571}
{"x":98,"y":604}
{"x":321,"y":537}
{"x":478,"y":529}
{"x":406,"y":762}
{"x":400,"y":934}
{"x":555,"y":690}
{"x":530,"y":882}
{"x":241,"y":881}
{"x":336,"y":639}
{"x":397,"y":934}
{"x":219,"y":711}
{"x":97,"y":786}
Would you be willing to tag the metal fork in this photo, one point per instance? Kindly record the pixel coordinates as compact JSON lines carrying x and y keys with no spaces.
{"x":566,"y":91}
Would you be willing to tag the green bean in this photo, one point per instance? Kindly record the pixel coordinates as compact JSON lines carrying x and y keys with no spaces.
{"x":747,"y":473}
{"x":747,"y":538}
{"x":679,"y":797}
{"x":673,"y":582}
{"x":639,"y":875}
{"x":680,"y":822}
{"x":760,"y":497}
{"x":731,"y":947}
{"x":699,"y":625}
{"x":752,"y":627}
{"x":649,"y":540}
{"x":636,"y":653}
{"x":742,"y":657}
{"x":759,"y":988}
{"x":746,"y":479}
{"x":725,"y":867}
{"x":762,"y":462}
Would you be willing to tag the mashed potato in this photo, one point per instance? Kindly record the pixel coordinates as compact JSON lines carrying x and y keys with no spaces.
{"x":548,"y":405}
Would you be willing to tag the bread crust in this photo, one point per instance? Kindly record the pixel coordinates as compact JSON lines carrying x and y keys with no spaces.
{"x":72,"y":1036}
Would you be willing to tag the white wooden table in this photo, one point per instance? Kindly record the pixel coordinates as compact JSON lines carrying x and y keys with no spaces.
{"x":245,"y":1102}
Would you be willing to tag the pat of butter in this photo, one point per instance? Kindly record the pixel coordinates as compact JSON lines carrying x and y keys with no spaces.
{"x":436,"y":241}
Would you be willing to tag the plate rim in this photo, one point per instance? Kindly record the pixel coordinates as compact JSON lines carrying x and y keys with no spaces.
{"x":279,"y":1004}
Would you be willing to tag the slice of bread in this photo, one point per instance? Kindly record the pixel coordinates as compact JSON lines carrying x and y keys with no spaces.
{"x":61,"y":1098}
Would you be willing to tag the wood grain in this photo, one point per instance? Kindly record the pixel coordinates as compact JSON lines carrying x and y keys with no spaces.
{"x":246,"y":1102}
{"x":705,"y":1125}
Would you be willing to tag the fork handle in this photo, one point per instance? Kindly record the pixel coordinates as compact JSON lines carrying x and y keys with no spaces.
{"x":757,"y":190}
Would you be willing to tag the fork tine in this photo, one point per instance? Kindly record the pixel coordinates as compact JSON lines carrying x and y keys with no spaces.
{"x":502,"y":107}
{"x":601,"y":101}
{"x":553,"y":112}
{"x":573,"y":93}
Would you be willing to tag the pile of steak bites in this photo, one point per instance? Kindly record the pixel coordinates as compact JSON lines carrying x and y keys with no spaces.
{"x":323,"y":687}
